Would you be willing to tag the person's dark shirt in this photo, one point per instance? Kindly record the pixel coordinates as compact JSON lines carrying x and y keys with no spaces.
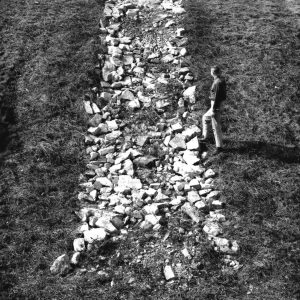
{"x":218,"y":92}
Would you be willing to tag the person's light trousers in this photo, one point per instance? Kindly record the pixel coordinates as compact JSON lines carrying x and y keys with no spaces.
{"x":216,"y":126}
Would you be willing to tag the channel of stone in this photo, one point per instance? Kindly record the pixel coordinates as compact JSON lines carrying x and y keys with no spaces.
{"x":113,"y":199}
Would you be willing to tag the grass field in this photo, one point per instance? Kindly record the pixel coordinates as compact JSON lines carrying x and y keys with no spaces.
{"x":48,"y":53}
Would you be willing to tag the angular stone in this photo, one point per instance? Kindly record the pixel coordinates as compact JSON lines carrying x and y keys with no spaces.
{"x":88,"y":108}
{"x":194,"y":183}
{"x":112,"y":125}
{"x":212,"y":229}
{"x":94,"y":234}
{"x":193,"y":144}
{"x":125,"y":40}
{"x":152,"y":219}
{"x":104,"y":181}
{"x":104,"y":151}
{"x":191,"y":132}
{"x":106,"y":224}
{"x":151,"y":209}
{"x":126,"y":182}
{"x":191,"y":212}
{"x":167,"y":58}
{"x":190,"y":158}
{"x":134,"y":104}
{"x":128,"y":60}
{"x":132,"y":13}
{"x":78,"y":245}
{"x":169,"y":274}
{"x":178,"y":142}
{"x":120,"y":209}
{"x":115,"y":51}
{"x":61,"y":265}
{"x":128,"y":167}
{"x":183,"y":52}
{"x":177,"y":127}
{"x":142,"y":140}
{"x":201,"y":205}
{"x":145,"y":161}
{"x":184,"y":70}
{"x":213,"y":195}
{"x":127,"y":95}
{"x":107,"y":69}
{"x":204,"y":192}
{"x":100,"y":129}
{"x":193,"y":197}
{"x":190,"y":93}
{"x":95,"y":120}
{"x":209,"y":173}
{"x":178,"y":10}
{"x":187,"y":170}
{"x":113,"y":135}
{"x":217,"y":204}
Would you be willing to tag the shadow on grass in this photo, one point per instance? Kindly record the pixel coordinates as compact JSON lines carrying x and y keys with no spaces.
{"x":286,"y":154}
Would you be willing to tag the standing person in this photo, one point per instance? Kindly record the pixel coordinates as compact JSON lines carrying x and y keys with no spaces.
{"x":217,"y":96}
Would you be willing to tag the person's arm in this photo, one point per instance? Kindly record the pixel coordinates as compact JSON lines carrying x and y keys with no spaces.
{"x":217,"y":99}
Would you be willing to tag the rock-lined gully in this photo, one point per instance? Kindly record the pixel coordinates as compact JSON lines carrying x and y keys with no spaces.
{"x":113,"y":198}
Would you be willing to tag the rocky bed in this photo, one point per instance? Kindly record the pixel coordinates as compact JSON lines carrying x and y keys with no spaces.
{"x":142,"y":173}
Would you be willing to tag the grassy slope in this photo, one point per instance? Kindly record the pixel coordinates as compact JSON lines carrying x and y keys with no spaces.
{"x":256,"y":44}
{"x":52,"y":43}
{"x":47,"y":50}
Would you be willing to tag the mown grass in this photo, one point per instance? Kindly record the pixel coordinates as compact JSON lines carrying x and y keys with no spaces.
{"x":48,"y":51}
{"x":256,"y":45}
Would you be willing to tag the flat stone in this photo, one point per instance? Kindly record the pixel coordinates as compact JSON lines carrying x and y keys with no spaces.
{"x":100,"y":129}
{"x":201,"y":205}
{"x":104,"y":181}
{"x":142,"y":140}
{"x":217,"y":204}
{"x":187,"y":170}
{"x":204,"y":192}
{"x":177,"y":127}
{"x":169,"y":274}
{"x":134,"y":104}
{"x":178,"y":142}
{"x":144,"y":161}
{"x":94,"y":234}
{"x":126,"y":182}
{"x":120,"y":209}
{"x":184,"y":70}
{"x":191,"y":212}
{"x":193,"y":197}
{"x":125,"y":40}
{"x":127,"y":95}
{"x":193,"y":144}
{"x":113,"y":135}
{"x":178,"y":10}
{"x":107,"y":69}
{"x":112,"y":125}
{"x":88,"y":107}
{"x":95,"y":120}
{"x":61,"y":265}
{"x":115,"y":51}
{"x":152,"y":219}
{"x":190,"y":158}
{"x":191,"y":132}
{"x":151,"y":209}
{"x":169,"y":24}
{"x":106,"y":150}
{"x":194,"y":183}
{"x":128,"y":60}
{"x":213,"y":195}
{"x":106,"y":224}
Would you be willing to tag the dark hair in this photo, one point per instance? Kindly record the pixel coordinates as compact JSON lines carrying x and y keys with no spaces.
{"x":216,"y":70}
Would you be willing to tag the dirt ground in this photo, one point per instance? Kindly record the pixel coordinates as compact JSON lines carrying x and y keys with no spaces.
{"x":47,"y":50}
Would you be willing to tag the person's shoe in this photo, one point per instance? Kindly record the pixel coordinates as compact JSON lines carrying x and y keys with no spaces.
{"x":203,"y":139}
{"x":218,"y":151}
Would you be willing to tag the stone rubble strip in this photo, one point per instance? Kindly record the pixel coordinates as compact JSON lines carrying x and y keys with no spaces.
{"x":112,"y":197}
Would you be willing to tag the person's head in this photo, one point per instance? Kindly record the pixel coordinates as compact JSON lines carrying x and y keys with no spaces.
{"x":215,"y":71}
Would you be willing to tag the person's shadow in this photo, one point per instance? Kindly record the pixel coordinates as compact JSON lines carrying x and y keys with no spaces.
{"x":286,"y":154}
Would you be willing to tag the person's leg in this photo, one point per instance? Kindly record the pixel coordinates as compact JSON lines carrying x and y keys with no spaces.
{"x":206,"y":118}
{"x":216,"y":126}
